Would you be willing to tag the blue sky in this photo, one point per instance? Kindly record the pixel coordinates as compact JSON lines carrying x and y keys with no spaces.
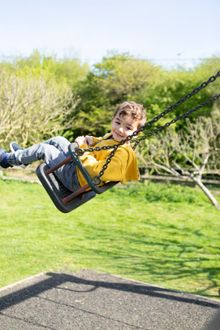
{"x":170,"y":32}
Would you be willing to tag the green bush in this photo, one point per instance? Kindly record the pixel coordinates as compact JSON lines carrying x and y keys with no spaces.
{"x":31,"y":108}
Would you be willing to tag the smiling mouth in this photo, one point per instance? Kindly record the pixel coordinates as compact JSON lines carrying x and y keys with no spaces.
{"x":119,"y":135}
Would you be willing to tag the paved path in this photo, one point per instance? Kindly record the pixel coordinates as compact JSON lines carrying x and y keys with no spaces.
{"x":89,"y":301}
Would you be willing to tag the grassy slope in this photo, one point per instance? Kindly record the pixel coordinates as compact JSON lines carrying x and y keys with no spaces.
{"x":157,"y":234}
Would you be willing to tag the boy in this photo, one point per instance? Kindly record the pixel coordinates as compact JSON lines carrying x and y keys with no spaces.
{"x":128,"y":117}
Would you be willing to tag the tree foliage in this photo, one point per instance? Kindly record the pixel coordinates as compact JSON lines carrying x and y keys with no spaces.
{"x":122,"y":77}
{"x":31,"y":108}
{"x":116,"y":79}
{"x":94,"y":92}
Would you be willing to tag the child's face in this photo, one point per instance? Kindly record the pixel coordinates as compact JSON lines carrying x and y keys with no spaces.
{"x":123,"y":126}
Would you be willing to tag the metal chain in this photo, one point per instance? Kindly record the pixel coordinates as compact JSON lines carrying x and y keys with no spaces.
{"x":150,"y":123}
{"x":160,"y":128}
{"x":183,"y":116}
{"x":196,"y":90}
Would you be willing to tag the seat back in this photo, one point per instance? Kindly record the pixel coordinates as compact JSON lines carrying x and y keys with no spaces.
{"x":57,"y":191}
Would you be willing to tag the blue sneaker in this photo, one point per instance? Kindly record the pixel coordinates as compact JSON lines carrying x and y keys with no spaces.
{"x":4,"y":159}
{"x":14,"y":146}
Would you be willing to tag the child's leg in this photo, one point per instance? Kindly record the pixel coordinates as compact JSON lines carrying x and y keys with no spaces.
{"x":42,"y":151}
{"x":60,"y":142}
{"x":51,"y":156}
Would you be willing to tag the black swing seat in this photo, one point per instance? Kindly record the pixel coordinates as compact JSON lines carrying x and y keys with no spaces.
{"x":64,"y":199}
{"x":57,"y":191}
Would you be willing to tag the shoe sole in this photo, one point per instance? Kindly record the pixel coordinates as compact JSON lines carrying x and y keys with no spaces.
{"x":11,"y":146}
{"x":13,"y":150}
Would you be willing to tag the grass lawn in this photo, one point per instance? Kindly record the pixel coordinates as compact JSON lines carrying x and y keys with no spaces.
{"x":159,"y":234}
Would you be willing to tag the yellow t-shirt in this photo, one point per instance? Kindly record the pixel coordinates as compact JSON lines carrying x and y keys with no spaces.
{"x":123,"y":166}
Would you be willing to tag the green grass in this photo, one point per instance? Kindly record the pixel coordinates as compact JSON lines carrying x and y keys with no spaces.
{"x":159,"y":234}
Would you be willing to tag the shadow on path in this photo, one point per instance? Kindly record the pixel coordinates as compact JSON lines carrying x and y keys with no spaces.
{"x":94,"y":301}
{"x":56,"y":279}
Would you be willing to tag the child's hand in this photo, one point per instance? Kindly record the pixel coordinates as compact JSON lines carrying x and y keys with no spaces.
{"x":89,"y":140}
{"x":81,"y":140}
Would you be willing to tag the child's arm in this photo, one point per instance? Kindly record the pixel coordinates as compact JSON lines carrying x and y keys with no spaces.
{"x":92,"y":140}
{"x":117,"y":168}
{"x":81,"y":140}
{"x":88,"y":140}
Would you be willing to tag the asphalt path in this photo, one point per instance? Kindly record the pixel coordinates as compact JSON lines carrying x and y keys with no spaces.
{"x":89,"y":300}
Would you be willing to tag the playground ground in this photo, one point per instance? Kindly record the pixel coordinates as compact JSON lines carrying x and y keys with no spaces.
{"x":89,"y":300}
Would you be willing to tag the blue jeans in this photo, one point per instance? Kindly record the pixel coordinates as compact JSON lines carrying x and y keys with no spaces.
{"x":52,"y":152}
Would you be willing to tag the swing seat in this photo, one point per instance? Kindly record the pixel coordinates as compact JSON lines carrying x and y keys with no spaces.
{"x":64,"y":199}
{"x":57,"y":191}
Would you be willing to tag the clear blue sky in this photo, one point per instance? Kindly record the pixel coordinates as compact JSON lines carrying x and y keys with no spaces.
{"x":167,"y":31}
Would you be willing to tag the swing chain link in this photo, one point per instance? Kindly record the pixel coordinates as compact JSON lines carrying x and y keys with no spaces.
{"x":160,"y":128}
{"x":182,"y":116}
{"x":150,"y":123}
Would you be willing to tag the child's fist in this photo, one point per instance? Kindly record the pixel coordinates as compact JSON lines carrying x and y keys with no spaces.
{"x":89,"y":140}
{"x":80,"y":140}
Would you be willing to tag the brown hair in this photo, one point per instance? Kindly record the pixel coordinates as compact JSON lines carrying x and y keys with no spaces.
{"x":133,"y":109}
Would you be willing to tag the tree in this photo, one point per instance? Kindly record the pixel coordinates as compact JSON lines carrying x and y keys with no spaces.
{"x":70,"y":71}
{"x":117,"y":78}
{"x":190,"y":153}
{"x":32,"y":108}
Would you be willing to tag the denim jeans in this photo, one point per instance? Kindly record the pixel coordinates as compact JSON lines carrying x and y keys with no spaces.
{"x":52,"y":152}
